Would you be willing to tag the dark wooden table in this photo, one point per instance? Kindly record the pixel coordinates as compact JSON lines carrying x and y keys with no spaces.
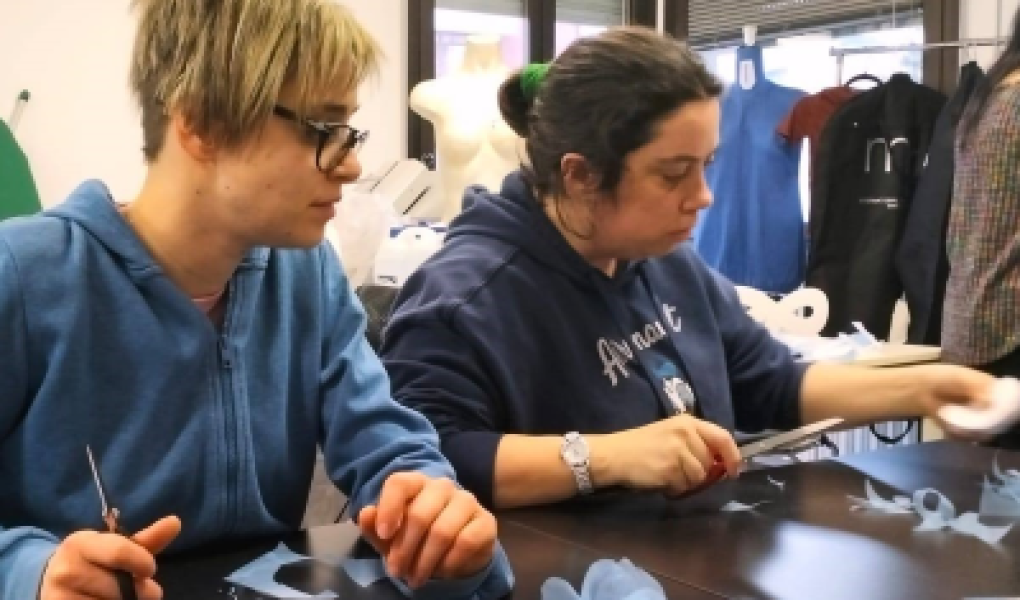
{"x":805,"y":542}
{"x":535,"y":557}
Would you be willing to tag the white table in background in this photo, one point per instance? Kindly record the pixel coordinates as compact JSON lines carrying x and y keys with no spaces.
{"x":897,"y":355}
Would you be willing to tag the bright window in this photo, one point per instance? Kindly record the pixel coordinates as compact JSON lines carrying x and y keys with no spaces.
{"x":454,"y":27}
{"x":577,"y":19}
{"x":804,"y":61}
{"x":567,"y":33}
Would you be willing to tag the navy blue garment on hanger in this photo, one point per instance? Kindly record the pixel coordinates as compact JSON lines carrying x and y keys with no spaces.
{"x":921,"y":259}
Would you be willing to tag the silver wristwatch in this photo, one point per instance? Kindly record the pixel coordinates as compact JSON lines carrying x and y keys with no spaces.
{"x":575,"y":453}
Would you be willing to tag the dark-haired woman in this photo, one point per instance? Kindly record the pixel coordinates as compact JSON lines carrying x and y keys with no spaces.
{"x":981,"y":316}
{"x":565,"y":339}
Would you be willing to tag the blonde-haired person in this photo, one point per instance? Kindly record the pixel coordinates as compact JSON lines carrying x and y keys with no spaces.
{"x":203,"y":339}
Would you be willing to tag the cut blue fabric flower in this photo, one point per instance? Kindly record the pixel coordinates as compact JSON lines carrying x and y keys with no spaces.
{"x":943,"y":516}
{"x":607,"y":580}
{"x":1000,"y":494}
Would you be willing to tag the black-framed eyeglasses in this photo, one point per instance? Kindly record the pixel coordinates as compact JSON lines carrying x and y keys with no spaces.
{"x":333,"y":145}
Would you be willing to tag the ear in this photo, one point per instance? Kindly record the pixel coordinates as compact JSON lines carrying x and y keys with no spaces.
{"x":579,"y":179}
{"x":199,"y":147}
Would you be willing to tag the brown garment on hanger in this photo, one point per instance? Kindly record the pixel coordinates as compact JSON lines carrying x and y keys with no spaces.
{"x":808,"y":117}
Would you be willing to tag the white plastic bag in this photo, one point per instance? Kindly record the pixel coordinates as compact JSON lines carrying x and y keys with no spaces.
{"x":362,"y":224}
{"x":401,"y":255}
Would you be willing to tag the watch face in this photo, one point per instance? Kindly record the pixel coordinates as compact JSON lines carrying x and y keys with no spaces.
{"x":575,"y":452}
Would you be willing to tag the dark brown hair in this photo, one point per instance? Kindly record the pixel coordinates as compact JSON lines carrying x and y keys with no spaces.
{"x":603,"y":98}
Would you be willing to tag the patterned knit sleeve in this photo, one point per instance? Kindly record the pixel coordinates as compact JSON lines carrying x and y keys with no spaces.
{"x":982,"y":309}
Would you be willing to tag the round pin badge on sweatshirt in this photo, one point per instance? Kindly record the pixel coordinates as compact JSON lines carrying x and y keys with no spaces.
{"x":680,"y":394}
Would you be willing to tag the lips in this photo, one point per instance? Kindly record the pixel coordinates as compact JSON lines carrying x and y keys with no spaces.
{"x":325,"y":209}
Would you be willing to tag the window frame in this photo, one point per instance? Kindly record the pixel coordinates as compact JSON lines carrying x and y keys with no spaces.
{"x":421,"y":53}
{"x":940,"y":67}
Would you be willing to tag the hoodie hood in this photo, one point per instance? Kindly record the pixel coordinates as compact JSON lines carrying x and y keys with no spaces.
{"x":92,"y":207}
{"x":515,"y":217}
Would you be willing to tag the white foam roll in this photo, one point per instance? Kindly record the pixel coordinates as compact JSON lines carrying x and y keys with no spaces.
{"x":805,"y":301}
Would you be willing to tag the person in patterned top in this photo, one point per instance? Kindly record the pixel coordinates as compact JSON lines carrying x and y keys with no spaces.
{"x":981,"y":317}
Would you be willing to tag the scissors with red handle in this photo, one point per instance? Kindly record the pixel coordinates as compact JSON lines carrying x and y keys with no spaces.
{"x":683,"y":397}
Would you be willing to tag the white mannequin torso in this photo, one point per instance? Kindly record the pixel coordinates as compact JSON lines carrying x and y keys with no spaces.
{"x":474,"y":145}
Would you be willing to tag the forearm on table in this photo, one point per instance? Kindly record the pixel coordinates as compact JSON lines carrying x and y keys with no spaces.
{"x":24,"y":554}
{"x":530,"y":470}
{"x":860,"y":395}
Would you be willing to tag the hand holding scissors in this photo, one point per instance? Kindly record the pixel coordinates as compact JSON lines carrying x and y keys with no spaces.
{"x":107,"y":565}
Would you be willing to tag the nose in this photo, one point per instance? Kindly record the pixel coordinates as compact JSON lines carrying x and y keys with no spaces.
{"x":702,"y":197}
{"x":349,"y":170}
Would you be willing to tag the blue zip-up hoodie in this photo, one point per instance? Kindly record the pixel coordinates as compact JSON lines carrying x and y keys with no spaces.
{"x":218,"y":427}
{"x":507,"y":329}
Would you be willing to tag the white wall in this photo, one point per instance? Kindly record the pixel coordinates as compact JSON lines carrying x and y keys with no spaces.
{"x":979,"y":19}
{"x":73,"y":56}
{"x":384,"y":102}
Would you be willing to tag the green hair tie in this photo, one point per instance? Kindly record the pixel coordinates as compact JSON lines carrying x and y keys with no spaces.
{"x":532,"y":77}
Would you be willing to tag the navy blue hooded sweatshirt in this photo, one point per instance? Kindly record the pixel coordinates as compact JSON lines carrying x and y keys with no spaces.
{"x":507,"y":329}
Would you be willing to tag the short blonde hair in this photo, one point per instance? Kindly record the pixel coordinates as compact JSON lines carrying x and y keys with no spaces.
{"x":222,"y":63}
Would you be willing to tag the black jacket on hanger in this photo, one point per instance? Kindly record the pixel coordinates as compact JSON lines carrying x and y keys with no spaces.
{"x":921,"y":260}
{"x":870,"y":156}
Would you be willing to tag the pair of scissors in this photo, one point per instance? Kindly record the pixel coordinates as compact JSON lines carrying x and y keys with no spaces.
{"x":788,"y":439}
{"x":773,"y":443}
{"x":125,"y":582}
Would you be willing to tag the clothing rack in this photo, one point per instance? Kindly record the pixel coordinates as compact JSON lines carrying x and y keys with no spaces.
{"x":19,"y":107}
{"x":840,"y":53}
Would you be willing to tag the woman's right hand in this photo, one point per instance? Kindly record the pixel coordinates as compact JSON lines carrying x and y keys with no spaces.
{"x":675,"y":455}
{"x":84,"y":563}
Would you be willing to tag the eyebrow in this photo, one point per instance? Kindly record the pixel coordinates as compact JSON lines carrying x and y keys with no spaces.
{"x":681,"y":158}
{"x":673,"y":160}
